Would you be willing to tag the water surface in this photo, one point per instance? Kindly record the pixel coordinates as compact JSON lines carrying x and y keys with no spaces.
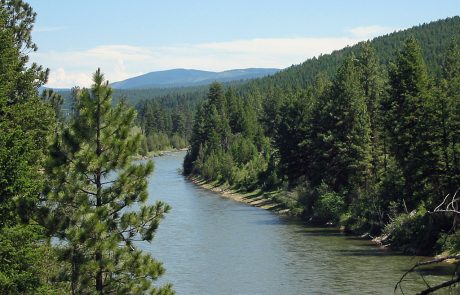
{"x":212,"y":245}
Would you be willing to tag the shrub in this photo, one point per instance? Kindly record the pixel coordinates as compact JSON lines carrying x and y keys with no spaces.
{"x":225,"y":169}
{"x":210,"y":168}
{"x":449,"y":243}
{"x":178,"y":142}
{"x":242,"y":150}
{"x":329,"y":206}
{"x":414,"y":232}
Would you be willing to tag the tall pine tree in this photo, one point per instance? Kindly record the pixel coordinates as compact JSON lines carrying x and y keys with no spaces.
{"x":448,"y":111}
{"x":341,"y":132}
{"x":408,"y":122}
{"x":97,"y":199}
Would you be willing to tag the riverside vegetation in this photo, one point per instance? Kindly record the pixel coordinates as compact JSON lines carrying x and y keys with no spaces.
{"x":366,"y":138}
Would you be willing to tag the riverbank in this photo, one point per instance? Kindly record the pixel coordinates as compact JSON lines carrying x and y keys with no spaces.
{"x":268,"y":201}
{"x":264,"y":253}
{"x":256,"y":198}
{"x":159,"y":153}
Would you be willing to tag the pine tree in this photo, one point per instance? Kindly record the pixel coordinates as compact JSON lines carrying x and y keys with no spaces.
{"x":408,"y":122}
{"x":26,"y":122}
{"x":447,"y":108}
{"x":341,"y":133}
{"x":216,"y":96}
{"x":372,"y":81}
{"x":293,"y":138}
{"x":97,"y":199}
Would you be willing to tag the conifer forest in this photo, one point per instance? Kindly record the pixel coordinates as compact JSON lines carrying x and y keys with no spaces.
{"x":364,"y":141}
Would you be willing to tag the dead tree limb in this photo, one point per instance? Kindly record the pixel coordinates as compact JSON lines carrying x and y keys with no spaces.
{"x":448,"y":205}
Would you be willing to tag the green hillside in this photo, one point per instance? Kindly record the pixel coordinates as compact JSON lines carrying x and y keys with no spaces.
{"x":433,"y":38}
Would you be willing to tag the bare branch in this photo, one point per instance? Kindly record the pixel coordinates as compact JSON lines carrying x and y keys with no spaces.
{"x":418,"y":264}
{"x":440,"y":286}
{"x":451,"y":207}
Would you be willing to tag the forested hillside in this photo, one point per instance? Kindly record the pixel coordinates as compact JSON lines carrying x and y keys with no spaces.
{"x":163,"y":111}
{"x":433,"y":37}
{"x":366,"y":138}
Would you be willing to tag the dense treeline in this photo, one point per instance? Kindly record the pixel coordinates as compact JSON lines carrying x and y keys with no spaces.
{"x":165,"y":116}
{"x":66,"y":182}
{"x":433,"y":37}
{"x":164,"y":128}
{"x":167,"y":97}
{"x":372,"y":148}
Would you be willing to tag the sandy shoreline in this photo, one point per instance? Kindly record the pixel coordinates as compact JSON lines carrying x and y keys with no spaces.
{"x":256,"y":198}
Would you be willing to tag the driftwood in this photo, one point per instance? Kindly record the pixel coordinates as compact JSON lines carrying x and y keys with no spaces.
{"x":448,"y":205}
{"x":455,"y":278}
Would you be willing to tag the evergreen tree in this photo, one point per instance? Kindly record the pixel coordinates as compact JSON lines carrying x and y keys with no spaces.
{"x":26,"y":123}
{"x":341,"y":133}
{"x":293,"y":136}
{"x":372,"y":81}
{"x":408,"y":123}
{"x":216,"y":96}
{"x":447,"y":106}
{"x":97,"y":199}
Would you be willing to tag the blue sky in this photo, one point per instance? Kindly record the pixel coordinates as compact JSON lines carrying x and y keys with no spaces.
{"x":127,"y":38}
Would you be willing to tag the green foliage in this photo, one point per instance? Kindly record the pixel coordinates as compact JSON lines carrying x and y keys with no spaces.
{"x":93,"y":186}
{"x":329,"y":205}
{"x":414,"y":232}
{"x":408,"y":121}
{"x":25,"y":121}
{"x":165,"y":126}
{"x":446,"y":106}
{"x":376,"y":123}
{"x":27,"y":261}
{"x":226,"y":144}
{"x":242,"y":149}
{"x":293,"y":133}
{"x":434,"y":37}
{"x":449,"y":243}
{"x":341,"y":132}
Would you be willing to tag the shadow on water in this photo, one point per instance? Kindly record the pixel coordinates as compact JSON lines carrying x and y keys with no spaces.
{"x":355,"y":238}
{"x":367,"y":252}
{"x":266,"y":222}
{"x":320,"y":232}
{"x":436,"y":270}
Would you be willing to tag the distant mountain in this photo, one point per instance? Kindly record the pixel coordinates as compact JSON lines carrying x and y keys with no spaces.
{"x":185,"y":77}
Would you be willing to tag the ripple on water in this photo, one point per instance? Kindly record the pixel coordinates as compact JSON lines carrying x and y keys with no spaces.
{"x":212,"y":245}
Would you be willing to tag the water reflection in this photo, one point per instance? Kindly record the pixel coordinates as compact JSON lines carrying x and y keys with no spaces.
{"x":211,"y":245}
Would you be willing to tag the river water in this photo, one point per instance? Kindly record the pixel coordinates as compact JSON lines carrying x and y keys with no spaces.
{"x":210,"y":245}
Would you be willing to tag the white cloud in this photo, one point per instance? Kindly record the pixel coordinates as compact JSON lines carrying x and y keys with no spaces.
{"x":370,"y":31}
{"x":118,"y":62}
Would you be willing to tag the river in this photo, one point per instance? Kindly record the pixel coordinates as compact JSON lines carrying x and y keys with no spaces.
{"x":210,"y":245}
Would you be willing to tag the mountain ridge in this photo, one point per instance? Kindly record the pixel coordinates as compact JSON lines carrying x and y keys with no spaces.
{"x":182,"y":77}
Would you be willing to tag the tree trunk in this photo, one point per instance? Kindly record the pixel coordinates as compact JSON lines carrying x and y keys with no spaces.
{"x":99,"y":280}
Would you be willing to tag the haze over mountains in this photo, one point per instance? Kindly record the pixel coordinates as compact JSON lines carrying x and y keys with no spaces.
{"x":189,"y":77}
